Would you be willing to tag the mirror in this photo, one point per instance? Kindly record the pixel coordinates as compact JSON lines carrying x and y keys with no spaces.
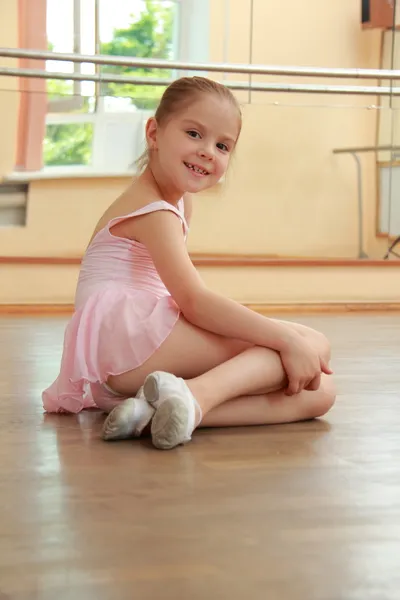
{"x":307,"y":181}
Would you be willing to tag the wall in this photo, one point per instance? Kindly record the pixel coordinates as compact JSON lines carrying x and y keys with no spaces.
{"x":60,"y":217}
{"x":286,"y":178}
{"x":273,"y":285}
{"x":8,"y":88}
{"x":286,"y":194}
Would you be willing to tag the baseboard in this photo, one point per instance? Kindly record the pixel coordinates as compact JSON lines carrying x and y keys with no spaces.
{"x":202,"y":259}
{"x":265,"y":308}
{"x":36,"y":309}
{"x":326,"y":307}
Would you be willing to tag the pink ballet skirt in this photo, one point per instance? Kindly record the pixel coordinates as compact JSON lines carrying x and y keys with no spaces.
{"x":123,"y":313}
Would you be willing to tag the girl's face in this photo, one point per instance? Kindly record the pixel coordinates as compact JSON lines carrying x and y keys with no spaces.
{"x":194,"y":146}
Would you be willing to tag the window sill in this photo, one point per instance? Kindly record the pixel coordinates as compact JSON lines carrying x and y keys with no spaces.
{"x":64,"y":173}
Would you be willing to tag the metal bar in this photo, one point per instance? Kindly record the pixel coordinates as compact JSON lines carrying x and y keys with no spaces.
{"x":391,"y":249}
{"x":211,"y":67}
{"x":251,"y":43}
{"x":353,"y":152}
{"x":227,"y":21}
{"x":112,"y":78}
{"x":77,"y":42}
{"x":97,"y":92}
{"x":393,"y":48}
{"x":361,"y":253}
{"x":234,"y":85}
{"x":365,"y":149}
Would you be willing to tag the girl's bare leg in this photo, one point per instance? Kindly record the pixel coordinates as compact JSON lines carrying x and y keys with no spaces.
{"x":272,"y":408}
{"x":219,"y":369}
{"x":257,"y":371}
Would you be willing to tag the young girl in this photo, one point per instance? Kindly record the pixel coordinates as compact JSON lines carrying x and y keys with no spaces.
{"x":149,"y":343}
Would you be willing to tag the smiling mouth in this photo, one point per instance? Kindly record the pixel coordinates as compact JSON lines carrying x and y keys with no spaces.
{"x":197,"y":170}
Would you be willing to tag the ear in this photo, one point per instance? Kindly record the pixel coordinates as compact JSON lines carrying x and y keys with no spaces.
{"x":151,"y":133}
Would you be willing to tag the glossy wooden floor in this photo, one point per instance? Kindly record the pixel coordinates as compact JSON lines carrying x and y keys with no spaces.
{"x":298,"y":512}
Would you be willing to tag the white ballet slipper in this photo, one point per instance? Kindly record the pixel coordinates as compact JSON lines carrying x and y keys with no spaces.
{"x":177,"y":411}
{"x":128,"y":419}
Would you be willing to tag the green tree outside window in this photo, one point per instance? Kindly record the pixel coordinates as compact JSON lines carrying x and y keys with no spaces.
{"x":149,"y":35}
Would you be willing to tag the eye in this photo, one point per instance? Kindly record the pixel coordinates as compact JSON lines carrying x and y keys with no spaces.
{"x":193,"y":134}
{"x":223,"y":147}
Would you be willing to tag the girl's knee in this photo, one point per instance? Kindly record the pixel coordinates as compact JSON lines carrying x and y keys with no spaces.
{"x":324,"y":398}
{"x":325,"y":346}
{"x":321,"y":343}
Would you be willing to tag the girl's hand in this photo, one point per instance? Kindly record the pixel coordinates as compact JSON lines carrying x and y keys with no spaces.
{"x":303,"y":365}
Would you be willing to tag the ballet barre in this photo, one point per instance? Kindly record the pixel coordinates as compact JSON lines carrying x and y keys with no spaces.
{"x":354,"y":152}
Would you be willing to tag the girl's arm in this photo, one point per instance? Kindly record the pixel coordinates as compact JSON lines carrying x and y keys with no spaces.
{"x":161,"y":232}
{"x":188,"y":204}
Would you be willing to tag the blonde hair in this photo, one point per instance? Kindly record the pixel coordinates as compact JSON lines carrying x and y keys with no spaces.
{"x":178,"y":95}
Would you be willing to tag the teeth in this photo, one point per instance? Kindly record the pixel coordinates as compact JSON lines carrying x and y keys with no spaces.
{"x":194,"y":168}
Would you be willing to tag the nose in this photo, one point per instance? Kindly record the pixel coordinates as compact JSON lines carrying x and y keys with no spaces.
{"x":207,"y":152}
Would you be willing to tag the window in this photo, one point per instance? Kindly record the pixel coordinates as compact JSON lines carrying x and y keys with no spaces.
{"x":99,"y":127}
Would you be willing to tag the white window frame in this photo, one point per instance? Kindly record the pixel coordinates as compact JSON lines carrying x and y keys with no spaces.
{"x":118,"y":137}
